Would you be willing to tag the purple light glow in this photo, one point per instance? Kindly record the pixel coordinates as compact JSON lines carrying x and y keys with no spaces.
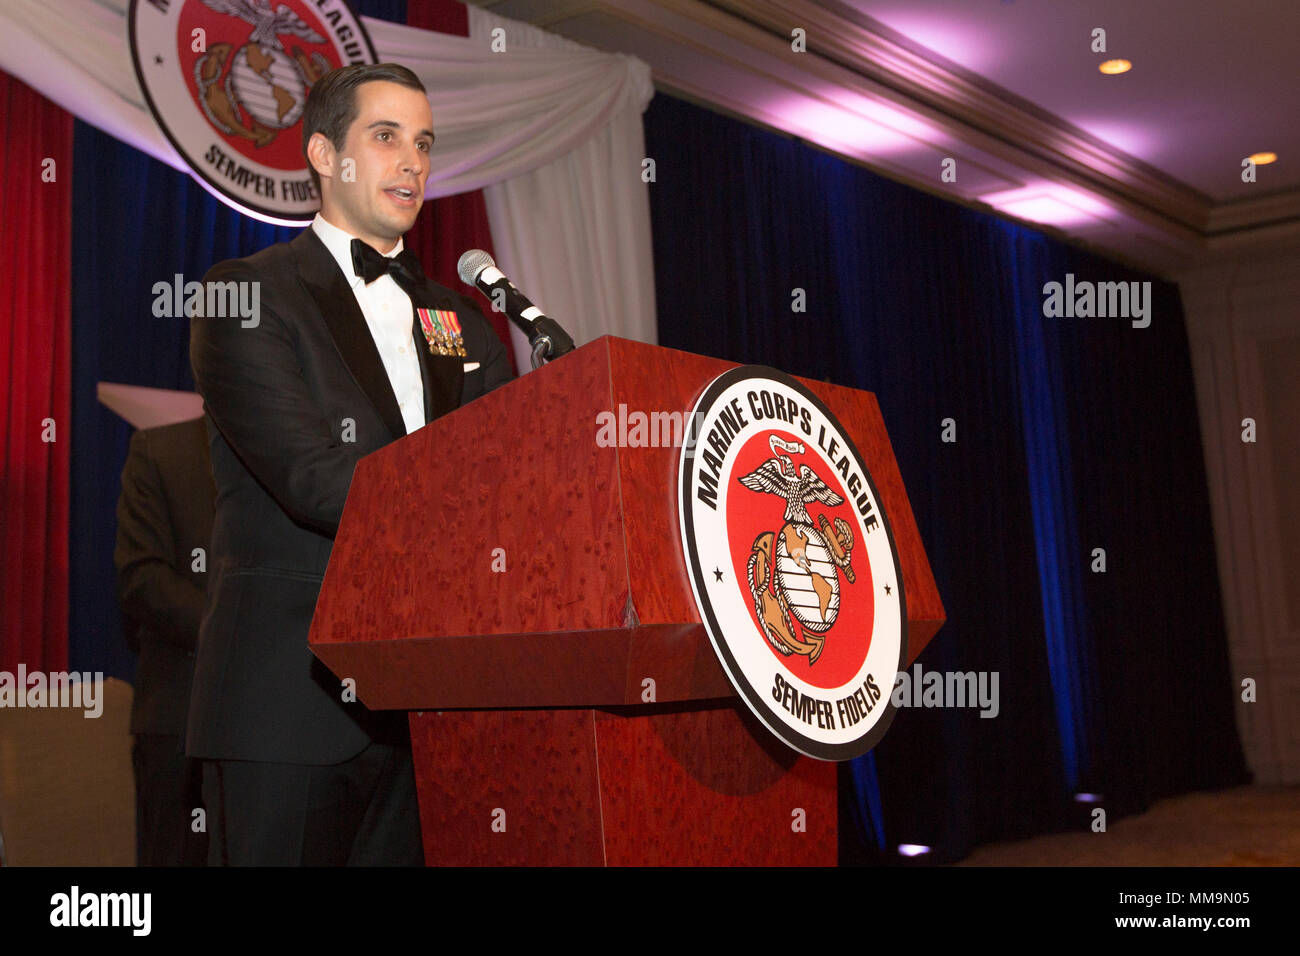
{"x":1137,"y":140}
{"x":1087,"y":798}
{"x":887,"y":115}
{"x":912,"y":849}
{"x":1044,"y":209}
{"x":974,"y":47}
{"x":864,"y":128}
{"x":1051,"y":205}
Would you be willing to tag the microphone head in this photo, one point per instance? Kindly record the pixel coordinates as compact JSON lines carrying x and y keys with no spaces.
{"x":471,"y":264}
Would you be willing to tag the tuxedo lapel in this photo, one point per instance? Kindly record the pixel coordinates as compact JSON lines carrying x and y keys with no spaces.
{"x":337,"y":304}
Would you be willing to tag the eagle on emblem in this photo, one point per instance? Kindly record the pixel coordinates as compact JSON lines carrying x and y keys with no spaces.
{"x":266,"y":22}
{"x":269,"y":84}
{"x":777,"y":476}
{"x":792,"y":573}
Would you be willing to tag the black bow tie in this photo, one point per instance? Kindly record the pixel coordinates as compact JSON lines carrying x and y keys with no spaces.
{"x":370,"y":264}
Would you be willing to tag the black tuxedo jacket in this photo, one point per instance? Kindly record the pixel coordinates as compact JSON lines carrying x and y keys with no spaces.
{"x":293,"y":403}
{"x":163,"y":514}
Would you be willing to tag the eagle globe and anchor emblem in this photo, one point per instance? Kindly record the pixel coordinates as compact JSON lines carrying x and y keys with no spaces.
{"x":804,"y":609}
{"x":267,"y":82}
{"x":224,"y":79}
{"x":793,"y":573}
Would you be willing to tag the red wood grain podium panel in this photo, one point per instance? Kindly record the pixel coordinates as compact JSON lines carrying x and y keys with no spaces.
{"x":520,"y":587}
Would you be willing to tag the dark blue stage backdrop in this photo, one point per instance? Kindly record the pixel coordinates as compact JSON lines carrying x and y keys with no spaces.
{"x":1070,"y":435}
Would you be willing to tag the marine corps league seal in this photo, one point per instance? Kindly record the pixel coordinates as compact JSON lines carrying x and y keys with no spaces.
{"x":227,"y":80}
{"x":792,"y":563}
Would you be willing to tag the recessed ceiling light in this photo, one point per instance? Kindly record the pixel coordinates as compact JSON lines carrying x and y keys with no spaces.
{"x":1262,"y":159}
{"x":1111,"y":67}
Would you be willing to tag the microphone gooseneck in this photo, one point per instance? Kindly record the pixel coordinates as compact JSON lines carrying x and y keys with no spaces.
{"x":546,"y":336}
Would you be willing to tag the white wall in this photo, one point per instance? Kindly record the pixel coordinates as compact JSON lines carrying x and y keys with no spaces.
{"x":1243,"y":316}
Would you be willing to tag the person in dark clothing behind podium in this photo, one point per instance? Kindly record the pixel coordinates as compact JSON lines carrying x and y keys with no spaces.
{"x":164,"y":526}
{"x":337,"y":365}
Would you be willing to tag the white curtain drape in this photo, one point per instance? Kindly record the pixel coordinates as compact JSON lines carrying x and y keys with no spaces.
{"x":574,"y":234}
{"x":551,"y":128}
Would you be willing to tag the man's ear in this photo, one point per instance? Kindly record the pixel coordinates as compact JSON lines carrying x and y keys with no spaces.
{"x":321,"y":155}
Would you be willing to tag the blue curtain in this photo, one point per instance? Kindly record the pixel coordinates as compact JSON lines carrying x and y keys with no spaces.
{"x":136,"y":221}
{"x":1071,"y":434}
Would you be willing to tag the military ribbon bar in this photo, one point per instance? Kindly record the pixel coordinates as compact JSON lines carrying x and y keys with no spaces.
{"x":442,"y":330}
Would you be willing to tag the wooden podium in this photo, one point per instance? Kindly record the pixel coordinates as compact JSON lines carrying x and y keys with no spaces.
{"x":520,"y":588}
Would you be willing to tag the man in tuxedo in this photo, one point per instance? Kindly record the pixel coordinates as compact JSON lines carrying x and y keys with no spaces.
{"x":336,"y":365}
{"x":163,"y":515}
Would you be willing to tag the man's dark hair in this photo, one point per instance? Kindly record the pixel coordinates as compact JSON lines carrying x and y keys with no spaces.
{"x":332,"y":103}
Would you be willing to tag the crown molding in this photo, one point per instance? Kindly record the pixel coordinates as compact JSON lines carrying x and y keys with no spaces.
{"x":1272,"y":209}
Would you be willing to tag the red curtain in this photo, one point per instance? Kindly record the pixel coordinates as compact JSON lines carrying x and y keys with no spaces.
{"x":448,"y":226}
{"x":35,"y":393}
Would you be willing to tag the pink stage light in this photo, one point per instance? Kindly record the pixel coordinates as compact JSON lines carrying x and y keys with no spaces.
{"x":1134,"y":139}
{"x":912,"y":849}
{"x":973,"y":47}
{"x":1051,"y":204}
{"x":860,"y":127}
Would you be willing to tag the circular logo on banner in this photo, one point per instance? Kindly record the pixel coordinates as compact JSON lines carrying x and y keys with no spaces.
{"x":792,"y":562}
{"x":227,"y":80}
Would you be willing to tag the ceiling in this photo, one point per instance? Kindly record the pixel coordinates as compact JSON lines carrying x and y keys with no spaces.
{"x":1145,"y":166}
{"x":1212,"y":81}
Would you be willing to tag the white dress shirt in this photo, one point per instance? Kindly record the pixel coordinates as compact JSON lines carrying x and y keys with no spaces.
{"x":389,"y":316}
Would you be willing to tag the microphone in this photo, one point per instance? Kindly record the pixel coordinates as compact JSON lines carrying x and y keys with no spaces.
{"x":546,"y":336}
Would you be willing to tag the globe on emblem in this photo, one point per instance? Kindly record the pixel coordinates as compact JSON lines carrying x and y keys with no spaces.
{"x":268,"y":84}
{"x":806,"y":578}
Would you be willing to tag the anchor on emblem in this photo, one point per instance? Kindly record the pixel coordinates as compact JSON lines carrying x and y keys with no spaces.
{"x":792,"y":573}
